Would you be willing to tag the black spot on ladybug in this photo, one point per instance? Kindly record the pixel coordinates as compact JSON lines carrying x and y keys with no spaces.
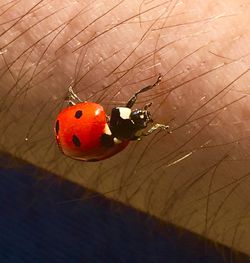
{"x":78,"y":114}
{"x":76,"y":141}
{"x":107,"y":140}
{"x":57,"y":127}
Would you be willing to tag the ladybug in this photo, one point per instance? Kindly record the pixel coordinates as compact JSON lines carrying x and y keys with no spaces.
{"x":84,"y":131}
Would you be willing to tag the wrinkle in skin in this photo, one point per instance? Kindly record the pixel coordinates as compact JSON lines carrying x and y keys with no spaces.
{"x":198,"y":176}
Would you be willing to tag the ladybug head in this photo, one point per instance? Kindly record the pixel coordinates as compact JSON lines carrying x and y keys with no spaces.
{"x":141,"y":117}
{"x":125,"y":123}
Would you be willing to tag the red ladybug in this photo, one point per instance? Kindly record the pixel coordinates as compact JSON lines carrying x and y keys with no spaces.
{"x":84,"y":131}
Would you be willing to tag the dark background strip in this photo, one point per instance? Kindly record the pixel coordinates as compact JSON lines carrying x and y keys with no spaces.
{"x":35,"y":227}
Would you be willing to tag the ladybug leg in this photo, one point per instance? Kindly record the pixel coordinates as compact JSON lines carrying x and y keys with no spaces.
{"x":72,"y":98}
{"x":147,"y":106}
{"x":157,"y":126}
{"x":133,"y":99}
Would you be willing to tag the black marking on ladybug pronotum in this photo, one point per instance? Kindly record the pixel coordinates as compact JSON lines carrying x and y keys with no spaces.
{"x":57,"y":127}
{"x":76,"y":141}
{"x":107,"y":140}
{"x":78,"y":114}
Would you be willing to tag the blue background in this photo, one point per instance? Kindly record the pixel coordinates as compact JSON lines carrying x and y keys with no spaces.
{"x":37,"y":226}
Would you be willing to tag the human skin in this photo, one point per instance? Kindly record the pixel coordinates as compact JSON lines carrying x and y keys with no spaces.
{"x":196,"y":177}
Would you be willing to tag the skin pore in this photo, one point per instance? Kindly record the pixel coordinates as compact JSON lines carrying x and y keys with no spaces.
{"x":198,"y":176}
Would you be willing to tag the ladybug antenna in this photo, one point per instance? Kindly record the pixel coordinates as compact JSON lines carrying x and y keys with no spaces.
{"x":133,"y":99}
